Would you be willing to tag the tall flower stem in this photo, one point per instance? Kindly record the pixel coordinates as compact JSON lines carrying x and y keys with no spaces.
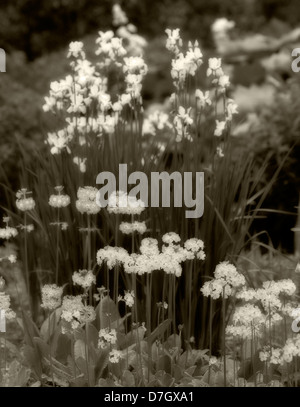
{"x":57,"y":248}
{"x":50,"y":349}
{"x":224,"y":342}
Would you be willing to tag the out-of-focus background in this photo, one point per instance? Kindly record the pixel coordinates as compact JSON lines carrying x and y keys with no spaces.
{"x":254,"y":38}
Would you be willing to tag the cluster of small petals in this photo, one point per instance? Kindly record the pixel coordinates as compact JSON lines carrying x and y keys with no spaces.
{"x":129,"y":298}
{"x":59,"y":141}
{"x":271,"y":355}
{"x":59,"y":201}
{"x":149,"y":247}
{"x":107,"y":337}
{"x":171,"y":237}
{"x":115,"y":356}
{"x":8,"y":232}
{"x":228,"y":272}
{"x":239,"y":331}
{"x":75,"y":313}
{"x":84,"y":278}
{"x":248,"y":314}
{"x":120,"y":202}
{"x":216,"y":289}
{"x":51,"y":296}
{"x":23,"y":202}
{"x":86,"y":202}
{"x":5,"y":306}
{"x":285,"y":286}
{"x":129,"y":228}
{"x":112,"y":256}
{"x":110,"y":48}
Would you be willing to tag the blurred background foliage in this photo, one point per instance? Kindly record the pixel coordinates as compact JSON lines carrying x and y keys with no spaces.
{"x":35,"y":35}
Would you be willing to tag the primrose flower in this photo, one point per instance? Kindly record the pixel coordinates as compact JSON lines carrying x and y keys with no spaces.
{"x":86,"y":202}
{"x":112,"y":256}
{"x":107,"y":337}
{"x":84,"y":278}
{"x":60,"y":200}
{"x":129,"y":298}
{"x":129,"y":228}
{"x":75,"y":313}
{"x":23,"y":202}
{"x":8,"y":232}
{"x":51,"y":296}
{"x":120,"y":202}
{"x":5,"y":306}
{"x":115,"y":356}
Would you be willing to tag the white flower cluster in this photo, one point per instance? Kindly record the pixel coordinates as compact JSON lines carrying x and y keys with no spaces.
{"x":84,"y":278}
{"x":120,"y":202}
{"x":5,"y":306}
{"x":150,"y":259}
{"x":280,"y":356}
{"x":128,"y":228}
{"x":23,"y":202}
{"x":107,"y":337}
{"x":115,"y":356}
{"x":156,"y":121}
{"x":129,"y":298}
{"x":226,"y":280}
{"x":110,"y":48}
{"x":112,"y":256}
{"x":8,"y":232}
{"x":51,"y":296}
{"x":59,"y":201}
{"x":134,"y":69}
{"x":75,"y":313}
{"x":183,"y":65}
{"x":86,"y":202}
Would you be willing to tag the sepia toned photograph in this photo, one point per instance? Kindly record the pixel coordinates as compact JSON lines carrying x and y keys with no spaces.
{"x":149,"y":196}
